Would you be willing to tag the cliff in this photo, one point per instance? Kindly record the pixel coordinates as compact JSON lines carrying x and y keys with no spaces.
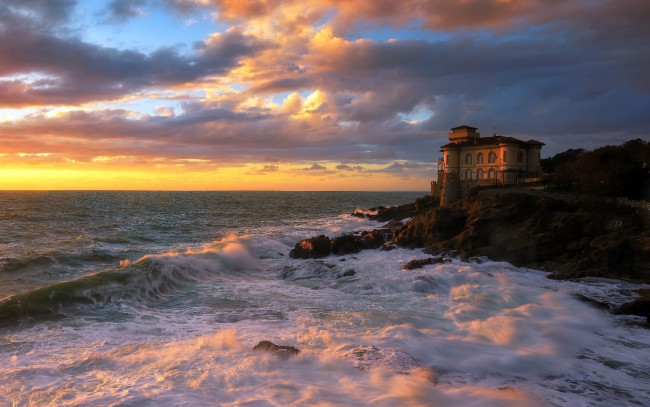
{"x":569,"y":236}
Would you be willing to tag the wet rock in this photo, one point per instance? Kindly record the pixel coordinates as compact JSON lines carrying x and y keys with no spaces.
{"x":419,"y":263}
{"x":375,"y":238}
{"x":570,"y":236}
{"x":640,"y":306}
{"x":315,"y":247}
{"x":348,"y":273}
{"x":281,"y":350}
{"x":388,"y":248}
{"x":368,"y":357}
{"x":345,"y":244}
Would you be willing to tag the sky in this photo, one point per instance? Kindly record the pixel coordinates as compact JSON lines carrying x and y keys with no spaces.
{"x":305,"y":95}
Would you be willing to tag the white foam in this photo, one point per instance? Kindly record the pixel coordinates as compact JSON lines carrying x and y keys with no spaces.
{"x":494,"y":334}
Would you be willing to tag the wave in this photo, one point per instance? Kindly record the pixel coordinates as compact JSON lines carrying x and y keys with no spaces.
{"x":51,"y":258}
{"x":145,"y":281}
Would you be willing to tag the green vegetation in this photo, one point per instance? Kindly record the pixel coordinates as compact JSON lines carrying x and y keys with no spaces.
{"x":621,"y":171}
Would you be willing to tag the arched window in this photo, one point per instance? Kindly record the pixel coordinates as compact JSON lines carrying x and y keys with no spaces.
{"x":492,"y":158}
{"x":479,"y":158}
{"x":468,"y":158}
{"x":492,"y":174}
{"x":479,"y":174}
{"x":468,"y":174}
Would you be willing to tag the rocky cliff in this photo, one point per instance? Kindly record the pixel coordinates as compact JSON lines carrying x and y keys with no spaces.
{"x":570,"y":237}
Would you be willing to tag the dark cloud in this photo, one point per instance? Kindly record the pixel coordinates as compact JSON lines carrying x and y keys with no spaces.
{"x":570,"y":73}
{"x":345,"y":167}
{"x":70,"y":71}
{"x":122,"y":10}
{"x":315,"y":167}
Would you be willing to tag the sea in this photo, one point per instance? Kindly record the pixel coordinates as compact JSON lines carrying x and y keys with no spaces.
{"x":120,"y":298}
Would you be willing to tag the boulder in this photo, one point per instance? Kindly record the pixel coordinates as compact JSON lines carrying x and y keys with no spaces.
{"x":419,"y":263}
{"x":312,"y":248}
{"x":345,"y":244}
{"x":281,"y":350}
{"x":368,"y":357}
{"x":640,"y":306}
{"x":348,"y":273}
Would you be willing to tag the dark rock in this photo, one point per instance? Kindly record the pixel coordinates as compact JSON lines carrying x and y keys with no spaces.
{"x":359,"y":214}
{"x":571,"y":237}
{"x":396,"y":360}
{"x":394,"y":224}
{"x":416,"y":264}
{"x":280,"y":350}
{"x":345,"y":244}
{"x":388,"y":248}
{"x":640,"y":306}
{"x":315,"y":247}
{"x":375,"y":238}
{"x":393,"y":213}
{"x":348,"y":273}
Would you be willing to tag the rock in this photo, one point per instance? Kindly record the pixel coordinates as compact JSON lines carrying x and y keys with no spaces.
{"x":280,"y":350}
{"x":315,"y":247}
{"x":419,"y":263}
{"x":393,"y":359}
{"x":388,"y":248}
{"x":375,"y":238}
{"x":348,"y":273}
{"x":393,"y":213}
{"x":569,"y":236}
{"x":345,"y":244}
{"x":640,"y":306}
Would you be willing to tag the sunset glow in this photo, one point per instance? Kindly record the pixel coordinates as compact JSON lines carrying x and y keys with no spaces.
{"x":292,"y":95}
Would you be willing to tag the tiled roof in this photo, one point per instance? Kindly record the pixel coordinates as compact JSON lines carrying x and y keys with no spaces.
{"x":492,"y":140}
{"x":464,"y":126}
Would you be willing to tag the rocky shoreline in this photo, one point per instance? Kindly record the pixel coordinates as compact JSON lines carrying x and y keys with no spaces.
{"x":570,"y":237}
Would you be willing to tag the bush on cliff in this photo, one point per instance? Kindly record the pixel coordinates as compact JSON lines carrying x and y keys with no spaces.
{"x":607,"y":171}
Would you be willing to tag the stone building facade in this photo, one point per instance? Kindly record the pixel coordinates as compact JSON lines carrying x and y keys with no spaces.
{"x":470,"y":160}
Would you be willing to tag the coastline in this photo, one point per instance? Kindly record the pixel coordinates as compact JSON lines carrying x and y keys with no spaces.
{"x":569,"y":237}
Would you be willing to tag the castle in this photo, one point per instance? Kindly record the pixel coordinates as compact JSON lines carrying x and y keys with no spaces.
{"x":470,"y":160}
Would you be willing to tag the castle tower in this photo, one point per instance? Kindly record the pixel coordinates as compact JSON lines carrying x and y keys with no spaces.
{"x":463,"y":133}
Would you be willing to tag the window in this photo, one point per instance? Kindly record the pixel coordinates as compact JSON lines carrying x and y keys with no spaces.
{"x":492,"y":174}
{"x":468,"y":158}
{"x":520,"y":157}
{"x":479,"y":174}
{"x":492,"y":158}
{"x":446,"y":158}
{"x":479,"y":158}
{"x":505,"y":156}
{"x":468,"y":174}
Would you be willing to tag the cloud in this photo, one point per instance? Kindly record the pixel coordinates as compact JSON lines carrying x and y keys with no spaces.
{"x":122,"y":10}
{"x":71,"y":71}
{"x":315,"y":167}
{"x":345,"y":167}
{"x":302,"y":83}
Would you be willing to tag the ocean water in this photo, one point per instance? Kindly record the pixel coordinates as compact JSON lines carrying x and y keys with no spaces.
{"x":157,"y":299}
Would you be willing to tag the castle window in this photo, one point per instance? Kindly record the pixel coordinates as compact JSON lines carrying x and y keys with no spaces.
{"x":479,"y":174}
{"x":479,"y":158}
{"x":492,"y":158}
{"x":492,"y":174}
{"x":505,"y":156}
{"x":520,"y":157}
{"x":468,"y":158}
{"x":468,"y":174}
